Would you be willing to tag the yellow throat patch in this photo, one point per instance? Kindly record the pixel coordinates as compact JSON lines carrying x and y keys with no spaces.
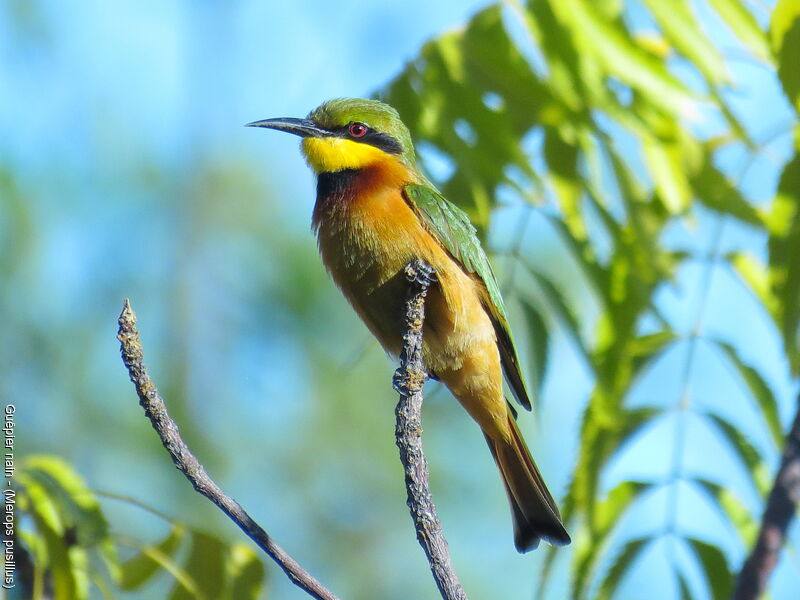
{"x":329,"y":154}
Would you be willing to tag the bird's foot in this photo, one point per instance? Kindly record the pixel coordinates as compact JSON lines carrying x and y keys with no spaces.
{"x":408,"y":381}
{"x":420,"y":273}
{"x":400,"y":381}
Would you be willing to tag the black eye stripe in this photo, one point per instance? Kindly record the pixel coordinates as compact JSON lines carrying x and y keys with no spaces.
{"x":383,"y":141}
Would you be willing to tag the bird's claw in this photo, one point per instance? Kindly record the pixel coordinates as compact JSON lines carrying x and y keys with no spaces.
{"x":400,"y":381}
{"x":408,"y":381}
{"x":420,"y":273}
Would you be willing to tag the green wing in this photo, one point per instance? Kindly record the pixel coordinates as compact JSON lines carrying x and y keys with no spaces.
{"x":452,"y":228}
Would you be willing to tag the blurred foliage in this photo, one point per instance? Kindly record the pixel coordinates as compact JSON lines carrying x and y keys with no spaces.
{"x":602,"y":99}
{"x":568,"y":111}
{"x":69,"y":549}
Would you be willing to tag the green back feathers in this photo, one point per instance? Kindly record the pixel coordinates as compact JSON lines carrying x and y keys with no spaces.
{"x":454,"y":231}
{"x":457,"y":234}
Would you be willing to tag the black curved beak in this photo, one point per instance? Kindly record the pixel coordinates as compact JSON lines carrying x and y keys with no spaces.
{"x":302,"y":127}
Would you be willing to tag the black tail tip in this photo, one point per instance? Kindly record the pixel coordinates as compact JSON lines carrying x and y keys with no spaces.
{"x":527,"y":540}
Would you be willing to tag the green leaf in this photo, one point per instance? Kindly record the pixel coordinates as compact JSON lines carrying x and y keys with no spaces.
{"x":69,"y":579}
{"x":573,"y":81}
{"x":590,"y":551}
{"x":759,"y":389}
{"x":783,"y":18}
{"x":562,"y":160}
{"x":573,"y":234}
{"x":539,"y":340}
{"x":65,"y":563}
{"x":137,"y":571}
{"x":757,"y":277}
{"x":33,"y":544}
{"x":744,"y":26}
{"x":559,"y":305}
{"x":665,"y":162}
{"x":34,"y":498}
{"x":79,"y":508}
{"x":682,"y":29}
{"x":445,"y":88}
{"x":683,"y":587}
{"x":246,"y":572}
{"x":630,"y":552}
{"x":784,"y":266}
{"x":649,"y":264}
{"x":605,"y":429}
{"x":734,"y":511}
{"x":785,"y":40}
{"x":715,"y":566}
{"x":109,"y":557}
{"x":644,"y":349}
{"x":610,"y":510}
{"x":206,"y":567}
{"x":622,"y":58}
{"x":714,"y":190}
{"x":747,"y":454}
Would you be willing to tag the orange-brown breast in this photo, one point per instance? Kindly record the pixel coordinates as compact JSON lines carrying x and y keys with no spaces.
{"x":367,"y":234}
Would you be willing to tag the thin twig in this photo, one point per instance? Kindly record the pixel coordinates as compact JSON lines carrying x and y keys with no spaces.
{"x":781,"y":505}
{"x":408,"y":381}
{"x":167,"y":430}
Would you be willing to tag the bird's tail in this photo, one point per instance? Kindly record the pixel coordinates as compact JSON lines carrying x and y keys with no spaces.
{"x":533,"y":509}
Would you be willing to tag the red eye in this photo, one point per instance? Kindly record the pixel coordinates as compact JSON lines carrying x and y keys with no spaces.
{"x":357,"y":130}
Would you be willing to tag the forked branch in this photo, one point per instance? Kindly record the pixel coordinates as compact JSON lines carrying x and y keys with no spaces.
{"x":409,"y":380}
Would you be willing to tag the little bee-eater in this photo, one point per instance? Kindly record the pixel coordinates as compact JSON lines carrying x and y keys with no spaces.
{"x":375,"y":213}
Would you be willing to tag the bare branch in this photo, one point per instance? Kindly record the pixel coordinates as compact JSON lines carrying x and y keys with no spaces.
{"x":781,"y":506}
{"x":408,"y":381}
{"x":187,"y":463}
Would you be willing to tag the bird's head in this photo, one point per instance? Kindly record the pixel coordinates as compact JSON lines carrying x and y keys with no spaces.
{"x":349,"y":133}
